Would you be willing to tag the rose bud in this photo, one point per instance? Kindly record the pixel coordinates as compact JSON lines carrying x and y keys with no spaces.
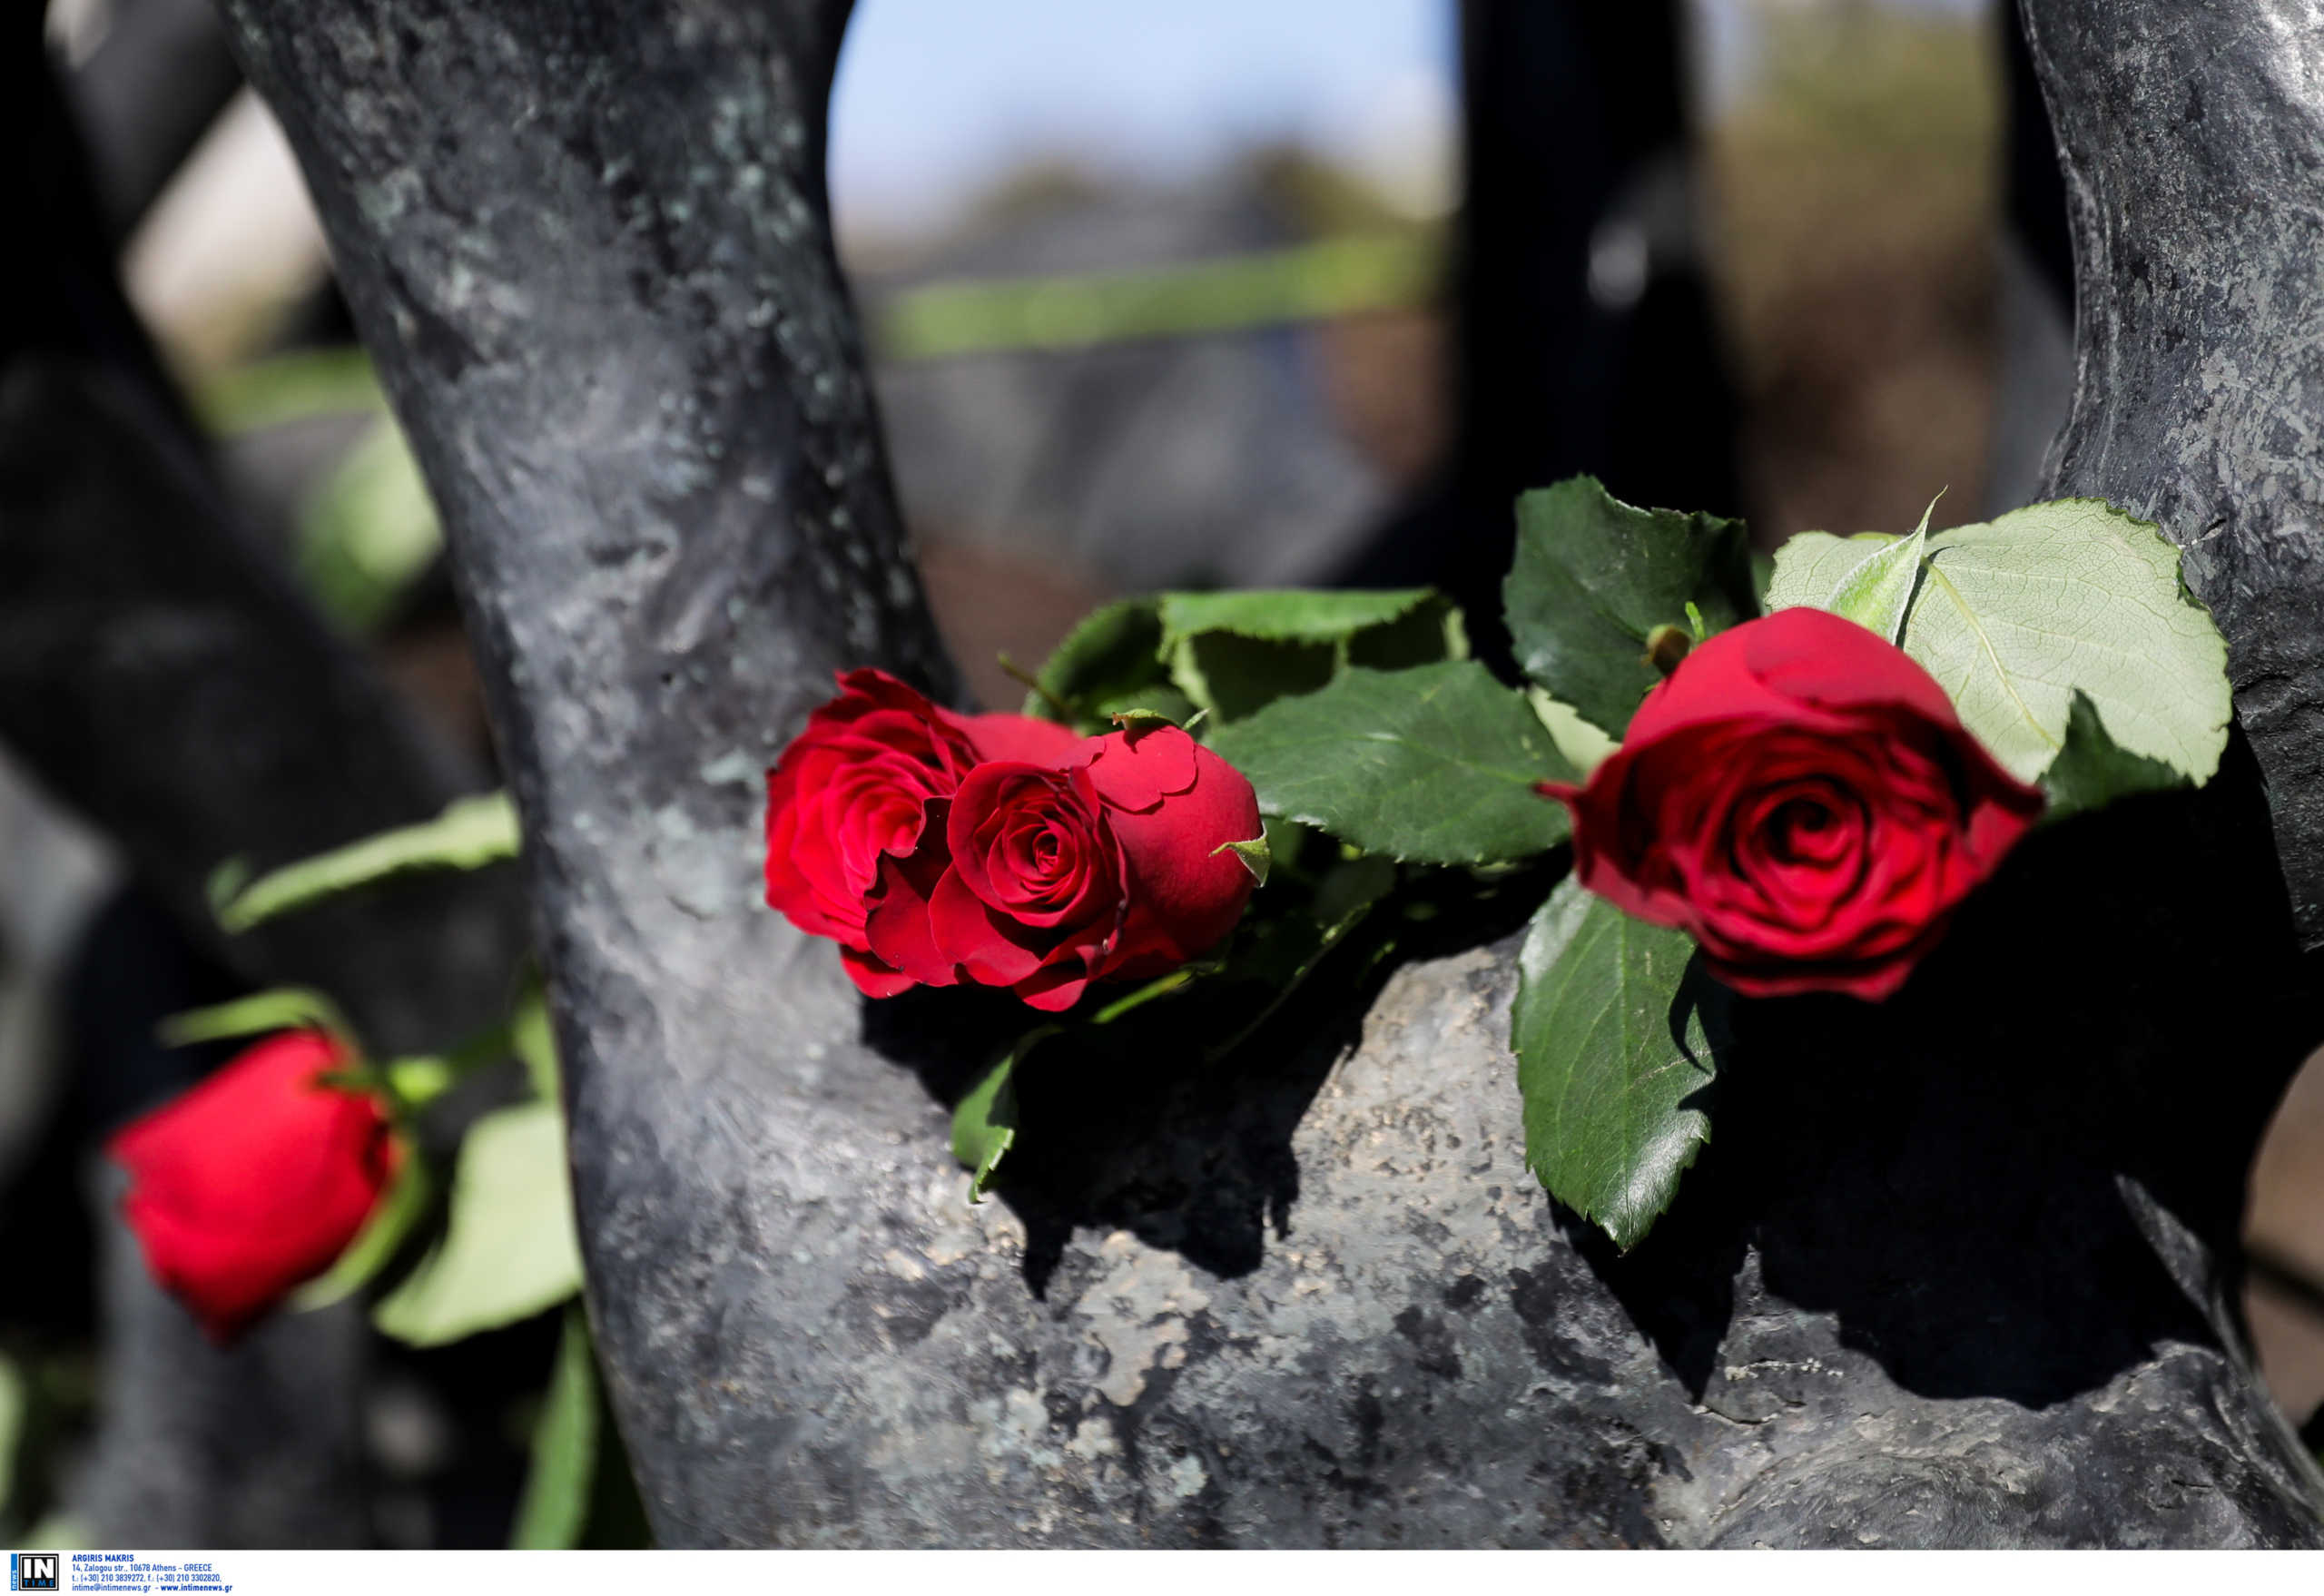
{"x":854,"y":787}
{"x":254,"y":1180}
{"x":1801,"y":798}
{"x":1175,"y":806}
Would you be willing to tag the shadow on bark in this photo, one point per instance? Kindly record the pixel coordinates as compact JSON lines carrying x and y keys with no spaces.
{"x":1128,"y":1129}
{"x":1947,"y":1172}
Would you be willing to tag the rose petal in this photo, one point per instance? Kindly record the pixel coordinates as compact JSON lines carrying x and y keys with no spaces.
{"x":986,"y":945}
{"x":1057,"y":985}
{"x":852,"y":788}
{"x":874,"y":976}
{"x":899,"y":925}
{"x":1020,"y":739}
{"x":1137,"y":772}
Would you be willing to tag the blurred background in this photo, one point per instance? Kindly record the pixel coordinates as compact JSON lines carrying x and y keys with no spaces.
{"x":1183,"y":296}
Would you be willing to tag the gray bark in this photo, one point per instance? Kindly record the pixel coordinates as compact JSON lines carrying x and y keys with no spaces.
{"x":1952,"y":1275}
{"x":2193,"y":139}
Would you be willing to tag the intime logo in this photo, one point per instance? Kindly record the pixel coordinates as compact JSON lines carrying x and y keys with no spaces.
{"x":31,"y":1570}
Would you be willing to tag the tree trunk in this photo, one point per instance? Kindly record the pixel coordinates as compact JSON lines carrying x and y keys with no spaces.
{"x":2193,"y":140}
{"x":1950,"y":1275}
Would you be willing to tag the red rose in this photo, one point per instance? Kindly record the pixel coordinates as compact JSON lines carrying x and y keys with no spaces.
{"x":1173,"y":803}
{"x":1801,"y":799}
{"x":1047,"y":880}
{"x":254,"y":1180}
{"x":854,"y":787}
{"x":1025,"y":888}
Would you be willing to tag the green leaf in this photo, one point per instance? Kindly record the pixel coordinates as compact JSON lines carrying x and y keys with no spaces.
{"x":16,"y":1402}
{"x":511,"y":1250}
{"x":1288,"y":614}
{"x":418,"y":1079}
{"x":1252,"y":853}
{"x":1138,"y":720}
{"x":533,"y":1039}
{"x":1428,"y":633}
{"x":1234,"y":677}
{"x":1613,"y":1051}
{"x":984,"y":1127}
{"x":1434,"y":765}
{"x":1595,"y":577}
{"x":375,"y":1245}
{"x":1877,"y":594}
{"x":470,"y":834}
{"x":227,"y":879}
{"x":278,"y":1009}
{"x":369,"y":531}
{"x":1231,"y":653}
{"x":554,"y":1509}
{"x":617,"y":1520}
{"x":1582,"y":744}
{"x":283,"y":389}
{"x":1234,"y":654}
{"x":1111,"y":659}
{"x":2015,"y":615}
{"x":2093,"y":770}
{"x":1158,"y":702}
{"x":1811,"y":566}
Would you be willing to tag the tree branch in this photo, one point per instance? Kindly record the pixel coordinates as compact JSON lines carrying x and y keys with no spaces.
{"x":588,"y":244}
{"x":2192,"y":137}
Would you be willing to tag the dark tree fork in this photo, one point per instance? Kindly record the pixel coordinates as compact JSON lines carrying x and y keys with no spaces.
{"x":1960,"y":1276}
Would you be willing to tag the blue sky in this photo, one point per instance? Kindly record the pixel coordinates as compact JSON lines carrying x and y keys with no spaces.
{"x":938,"y":97}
